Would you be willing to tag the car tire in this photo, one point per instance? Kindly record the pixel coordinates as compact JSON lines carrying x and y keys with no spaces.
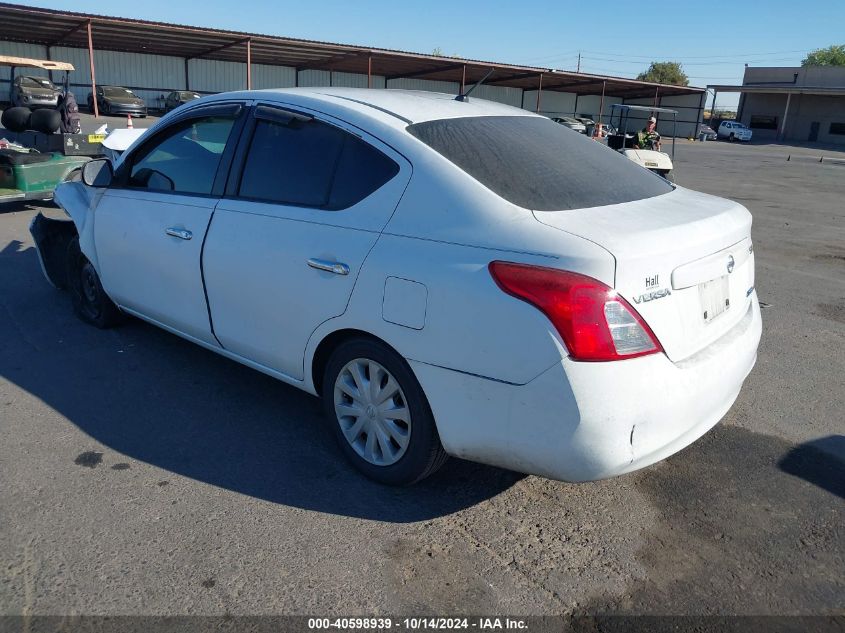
{"x":90,"y":302}
{"x":401,"y":451}
{"x":731,"y":138}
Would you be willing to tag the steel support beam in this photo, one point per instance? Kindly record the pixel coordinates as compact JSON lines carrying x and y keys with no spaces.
{"x":369,"y":71}
{"x":713,"y":109}
{"x":539,"y":92}
{"x":93,"y":74}
{"x":601,"y":102}
{"x":700,"y":118}
{"x":249,"y":64}
{"x":49,"y":72}
{"x":782,"y":134}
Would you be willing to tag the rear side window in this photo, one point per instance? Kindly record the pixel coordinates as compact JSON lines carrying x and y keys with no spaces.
{"x":536,"y":163}
{"x":310,"y":163}
{"x":360,"y":171}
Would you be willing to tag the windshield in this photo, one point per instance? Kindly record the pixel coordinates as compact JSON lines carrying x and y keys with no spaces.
{"x":538,"y":164}
{"x":112,"y":91}
{"x":188,"y":95}
{"x":37,"y":82}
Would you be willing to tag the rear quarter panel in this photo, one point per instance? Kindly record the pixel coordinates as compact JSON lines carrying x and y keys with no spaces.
{"x":443,"y":235}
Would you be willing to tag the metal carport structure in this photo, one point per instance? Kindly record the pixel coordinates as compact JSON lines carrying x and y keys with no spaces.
{"x":52,"y":28}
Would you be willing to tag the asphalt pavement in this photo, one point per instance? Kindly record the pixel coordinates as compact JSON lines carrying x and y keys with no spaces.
{"x":141,"y":474}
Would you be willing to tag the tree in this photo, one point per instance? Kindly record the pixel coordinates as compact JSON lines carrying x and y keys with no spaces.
{"x":665,"y":73}
{"x":830,"y":56}
{"x":437,"y":52}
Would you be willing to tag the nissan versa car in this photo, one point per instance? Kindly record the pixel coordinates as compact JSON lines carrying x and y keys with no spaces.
{"x":450,"y":277}
{"x":117,"y":100}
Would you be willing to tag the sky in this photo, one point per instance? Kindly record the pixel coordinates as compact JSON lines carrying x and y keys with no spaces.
{"x":713,"y":41}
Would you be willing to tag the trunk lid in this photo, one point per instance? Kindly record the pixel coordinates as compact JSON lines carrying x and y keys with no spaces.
{"x":684,"y":260}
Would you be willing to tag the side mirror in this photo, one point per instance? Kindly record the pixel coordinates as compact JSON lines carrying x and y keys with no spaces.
{"x":97,"y":173}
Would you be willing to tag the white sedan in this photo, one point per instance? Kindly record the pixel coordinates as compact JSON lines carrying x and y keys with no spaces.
{"x":450,"y":277}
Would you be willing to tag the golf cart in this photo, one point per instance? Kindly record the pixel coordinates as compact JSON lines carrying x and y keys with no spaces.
{"x":34,"y":160}
{"x":651,"y":158}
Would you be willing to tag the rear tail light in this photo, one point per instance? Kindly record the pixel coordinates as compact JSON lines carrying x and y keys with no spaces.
{"x":594,"y":322}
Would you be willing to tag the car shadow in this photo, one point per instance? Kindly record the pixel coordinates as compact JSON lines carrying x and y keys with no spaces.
{"x":821,"y":462}
{"x":20,"y":206}
{"x":151,"y":396}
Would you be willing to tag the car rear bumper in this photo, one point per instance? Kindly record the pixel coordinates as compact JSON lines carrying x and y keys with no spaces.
{"x":585,"y":421}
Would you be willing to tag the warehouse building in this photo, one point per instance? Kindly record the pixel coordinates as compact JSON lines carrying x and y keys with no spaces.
{"x":153,"y":58}
{"x":804,"y":104}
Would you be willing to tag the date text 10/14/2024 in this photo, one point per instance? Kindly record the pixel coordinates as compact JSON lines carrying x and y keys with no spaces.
{"x":417,"y":624}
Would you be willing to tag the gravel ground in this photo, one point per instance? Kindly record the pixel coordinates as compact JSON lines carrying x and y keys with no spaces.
{"x":144,"y":475}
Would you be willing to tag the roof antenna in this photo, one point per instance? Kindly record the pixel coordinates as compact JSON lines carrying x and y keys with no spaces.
{"x":465,"y":96}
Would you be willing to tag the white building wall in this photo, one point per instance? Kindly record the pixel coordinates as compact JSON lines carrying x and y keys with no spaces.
{"x":449,"y":87}
{"x":355,"y":80}
{"x":313,"y":78}
{"x":209,"y":75}
{"x":552,"y":103}
{"x":264,"y":76}
{"x":591,"y":105}
{"x":501,"y":94}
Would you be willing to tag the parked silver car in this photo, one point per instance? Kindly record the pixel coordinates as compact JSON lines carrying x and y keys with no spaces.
{"x":572,"y":123}
{"x":34,"y":92}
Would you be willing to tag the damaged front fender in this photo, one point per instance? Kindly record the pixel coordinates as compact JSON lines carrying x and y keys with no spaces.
{"x":51,"y":240}
{"x":52,"y":236}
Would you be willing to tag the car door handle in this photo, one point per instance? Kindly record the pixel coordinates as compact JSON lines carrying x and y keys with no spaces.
{"x":182,"y":234}
{"x":332,"y":267}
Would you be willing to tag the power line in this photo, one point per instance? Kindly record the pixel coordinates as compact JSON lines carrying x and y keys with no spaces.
{"x":717,"y":63}
{"x":733,"y":55}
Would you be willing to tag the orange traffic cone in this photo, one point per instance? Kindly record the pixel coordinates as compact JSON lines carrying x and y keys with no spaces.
{"x":129,"y":125}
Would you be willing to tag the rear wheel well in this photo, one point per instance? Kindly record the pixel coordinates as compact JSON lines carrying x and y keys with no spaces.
{"x":328,"y":345}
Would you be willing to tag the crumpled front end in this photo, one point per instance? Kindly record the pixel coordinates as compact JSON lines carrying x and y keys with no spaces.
{"x":51,"y":238}
{"x":52,"y":235}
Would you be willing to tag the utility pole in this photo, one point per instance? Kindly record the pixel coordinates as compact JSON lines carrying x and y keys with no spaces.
{"x":578,"y":70}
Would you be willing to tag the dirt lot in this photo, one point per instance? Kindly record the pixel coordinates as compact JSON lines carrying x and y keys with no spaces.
{"x":143,"y":475}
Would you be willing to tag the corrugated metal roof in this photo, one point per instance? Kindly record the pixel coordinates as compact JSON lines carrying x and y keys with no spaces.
{"x":69,"y":29}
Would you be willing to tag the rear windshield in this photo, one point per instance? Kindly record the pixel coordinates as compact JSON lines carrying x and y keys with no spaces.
{"x":538,"y":164}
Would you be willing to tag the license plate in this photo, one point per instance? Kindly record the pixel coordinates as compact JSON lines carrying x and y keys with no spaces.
{"x":715,"y":297}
